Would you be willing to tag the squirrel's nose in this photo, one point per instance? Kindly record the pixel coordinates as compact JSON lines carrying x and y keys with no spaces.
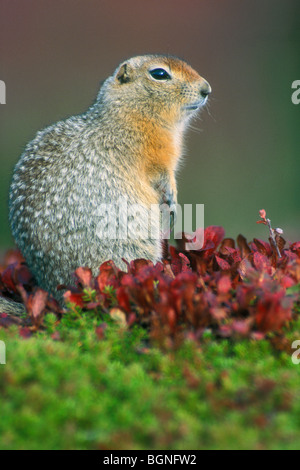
{"x":205,"y":89}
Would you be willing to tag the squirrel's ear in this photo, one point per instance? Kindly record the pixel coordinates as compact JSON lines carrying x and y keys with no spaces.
{"x":123,"y":74}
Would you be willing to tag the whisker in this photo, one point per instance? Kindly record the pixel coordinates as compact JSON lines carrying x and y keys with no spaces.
{"x":207,"y":107}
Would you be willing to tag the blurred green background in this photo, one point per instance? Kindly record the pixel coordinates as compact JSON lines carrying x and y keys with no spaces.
{"x":242,"y":155}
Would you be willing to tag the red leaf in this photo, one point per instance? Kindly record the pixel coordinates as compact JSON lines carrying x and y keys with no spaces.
{"x":243,"y":246}
{"x":225,"y":331}
{"x":179,"y":262}
{"x":12,"y":257}
{"x":25,"y":332}
{"x":295,"y":247}
{"x":215,"y":234}
{"x":56,"y":336}
{"x":185,"y":266}
{"x":74,"y":298}
{"x":233,"y":254}
{"x":241,"y":327}
{"x":226,"y":243}
{"x":107,"y":275}
{"x":273,"y":311}
{"x":262,"y":213}
{"x":260,"y":261}
{"x":262,"y":246}
{"x":287,"y":281}
{"x":123,"y":299}
{"x":137,"y":265}
{"x":84,"y":276}
{"x":100,"y":331}
{"x":171,"y":319}
{"x":8,"y":278}
{"x":224,"y":265}
{"x":36,"y":305}
{"x":224,"y":285}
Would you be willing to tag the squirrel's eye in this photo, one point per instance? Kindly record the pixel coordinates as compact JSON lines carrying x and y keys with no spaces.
{"x":160,"y":74}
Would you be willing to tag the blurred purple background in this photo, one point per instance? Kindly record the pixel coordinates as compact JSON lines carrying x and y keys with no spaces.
{"x":243,"y":154}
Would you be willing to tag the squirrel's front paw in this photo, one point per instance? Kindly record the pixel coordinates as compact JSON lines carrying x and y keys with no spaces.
{"x":170,"y":199}
{"x":167,"y":197}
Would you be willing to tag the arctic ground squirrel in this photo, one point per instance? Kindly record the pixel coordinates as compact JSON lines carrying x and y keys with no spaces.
{"x":124,"y":149}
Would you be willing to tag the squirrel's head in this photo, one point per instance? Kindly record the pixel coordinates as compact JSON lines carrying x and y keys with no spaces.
{"x":163,"y":87}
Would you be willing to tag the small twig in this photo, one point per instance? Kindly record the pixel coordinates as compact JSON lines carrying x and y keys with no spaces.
{"x":277,"y":232}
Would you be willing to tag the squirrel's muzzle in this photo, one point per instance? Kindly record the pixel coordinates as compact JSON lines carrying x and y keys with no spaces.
{"x":205,"y":89}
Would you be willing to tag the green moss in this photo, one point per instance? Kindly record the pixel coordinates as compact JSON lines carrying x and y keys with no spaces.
{"x":76,"y":391}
